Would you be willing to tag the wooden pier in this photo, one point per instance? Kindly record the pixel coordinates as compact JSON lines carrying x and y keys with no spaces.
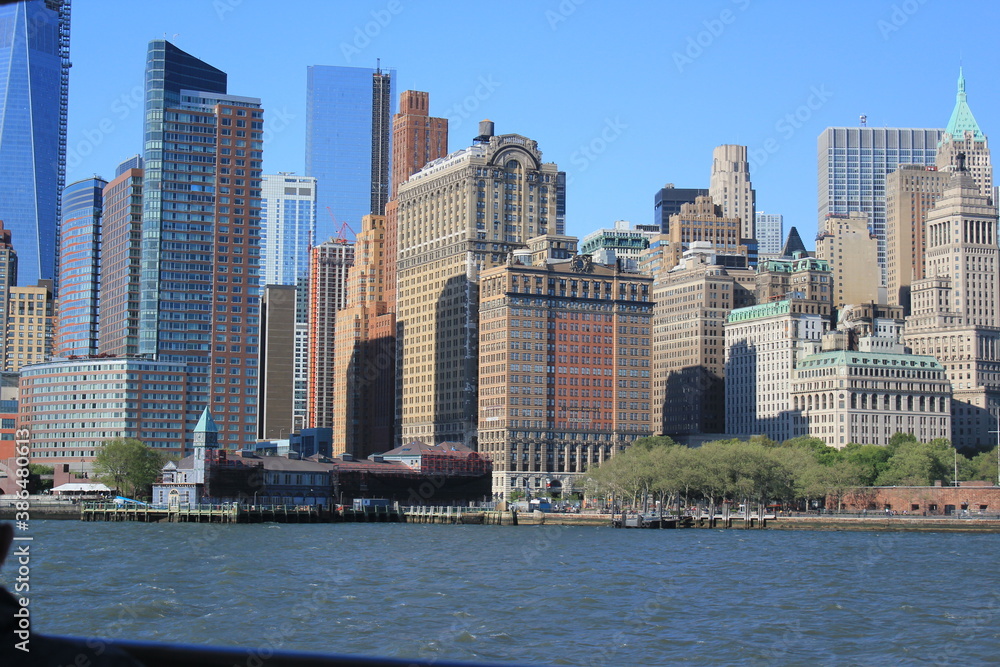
{"x":697,"y":520}
{"x":224,"y":513}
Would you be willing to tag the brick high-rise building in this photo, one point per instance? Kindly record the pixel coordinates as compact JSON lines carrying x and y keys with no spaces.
{"x":564,"y":368}
{"x":458,"y":216}
{"x":910,"y":193}
{"x":963,"y":136}
{"x":329,"y":263}
{"x":731,"y":189}
{"x":417,"y":137}
{"x":199,"y":299}
{"x":851,"y":250}
{"x":121,"y":263}
{"x":364,"y":351}
{"x":668,"y":201}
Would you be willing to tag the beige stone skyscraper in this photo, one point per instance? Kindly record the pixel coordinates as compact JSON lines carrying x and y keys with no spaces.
{"x":691,"y":304}
{"x":963,"y":136}
{"x":456,"y":217}
{"x":851,"y":250}
{"x":910,"y":193}
{"x":704,"y":222}
{"x":730,"y":186}
{"x":956,"y":315}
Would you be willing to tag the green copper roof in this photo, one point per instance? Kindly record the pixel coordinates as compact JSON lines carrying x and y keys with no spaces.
{"x":206,"y":424}
{"x":760,"y":310}
{"x":962,"y":120}
{"x":868,"y":359}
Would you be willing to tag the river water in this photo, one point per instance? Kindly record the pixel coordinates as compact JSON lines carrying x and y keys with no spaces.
{"x":526,"y":594}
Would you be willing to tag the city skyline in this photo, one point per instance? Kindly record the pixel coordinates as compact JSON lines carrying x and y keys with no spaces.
{"x":788,"y":94}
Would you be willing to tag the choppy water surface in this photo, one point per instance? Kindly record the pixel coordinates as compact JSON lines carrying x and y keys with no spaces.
{"x":545,"y":595}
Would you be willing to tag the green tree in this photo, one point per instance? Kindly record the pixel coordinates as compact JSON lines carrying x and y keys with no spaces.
{"x":128,"y":465}
{"x":918,"y":464}
{"x":983,"y":466}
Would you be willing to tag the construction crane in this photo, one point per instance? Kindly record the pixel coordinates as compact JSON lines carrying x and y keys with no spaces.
{"x":341,"y":233}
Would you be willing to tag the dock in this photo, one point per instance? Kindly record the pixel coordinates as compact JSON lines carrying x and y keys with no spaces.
{"x":698,"y":520}
{"x":445,"y":514}
{"x":202,"y":513}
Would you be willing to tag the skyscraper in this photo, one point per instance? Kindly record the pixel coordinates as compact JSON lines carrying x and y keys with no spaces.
{"x":845,"y":243}
{"x":348,"y":142}
{"x":458,"y":216}
{"x":30,"y":315}
{"x":910,"y":193}
{"x":730,"y":186}
{"x":963,"y":136}
{"x":329,"y":263}
{"x":34,"y":97}
{"x":288,"y":220}
{"x":956,"y":312}
{"x":770,"y":230}
{"x":200,"y":231}
{"x":80,"y":268}
{"x":121,"y":261}
{"x":853,"y":165}
{"x":668,"y":201}
{"x":417,"y":137}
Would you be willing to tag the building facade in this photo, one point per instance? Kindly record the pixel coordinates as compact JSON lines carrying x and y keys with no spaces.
{"x":348,"y":142}
{"x":910,"y":193}
{"x":851,"y":251}
{"x":458,"y":216}
{"x":329,"y":264}
{"x":34,"y":100}
{"x":80,"y":268}
{"x":690,"y":307}
{"x":731,"y":189}
{"x":121,"y":261}
{"x":869,"y":394}
{"x":71,"y":407}
{"x":288,"y":227}
{"x":854,"y":163}
{"x":275,"y":412}
{"x":565,"y":369}
{"x":200,"y":301}
{"x":703,"y":222}
{"x":625,"y":242}
{"x":763,"y":343}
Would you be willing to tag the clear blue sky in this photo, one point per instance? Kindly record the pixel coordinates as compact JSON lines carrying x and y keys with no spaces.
{"x":625,"y":97}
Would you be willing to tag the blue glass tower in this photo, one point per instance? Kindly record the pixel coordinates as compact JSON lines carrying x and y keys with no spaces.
{"x":348,"y":132}
{"x":199,"y":300}
{"x":79,"y":267}
{"x":34,"y":93}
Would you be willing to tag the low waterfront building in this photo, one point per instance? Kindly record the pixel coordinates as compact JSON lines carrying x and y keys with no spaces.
{"x":969,"y":499}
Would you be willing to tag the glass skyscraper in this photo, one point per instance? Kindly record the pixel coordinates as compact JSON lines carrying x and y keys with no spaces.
{"x":288,"y":219}
{"x":79,"y":267}
{"x":34,"y":94}
{"x":200,"y":300}
{"x":348,"y":130}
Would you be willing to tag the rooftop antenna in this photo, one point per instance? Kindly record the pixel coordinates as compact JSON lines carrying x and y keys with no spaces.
{"x":864,"y":120}
{"x":378,"y":65}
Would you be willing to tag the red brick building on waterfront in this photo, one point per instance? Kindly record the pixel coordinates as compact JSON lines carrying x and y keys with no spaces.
{"x":976,"y":498}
